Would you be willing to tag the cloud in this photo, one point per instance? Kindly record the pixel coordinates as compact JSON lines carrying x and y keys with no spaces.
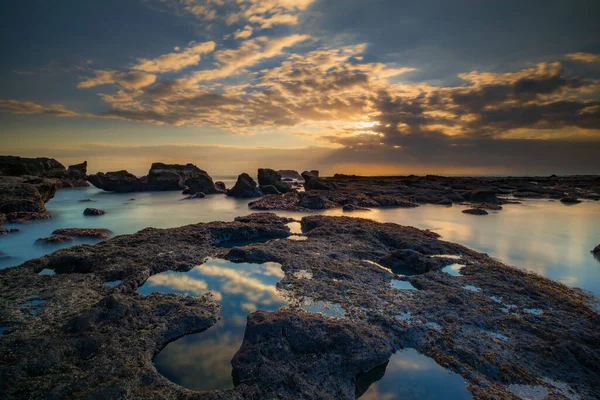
{"x":27,"y":107}
{"x":128,"y":80}
{"x":175,"y":61}
{"x":243,"y":33}
{"x":583,"y":57}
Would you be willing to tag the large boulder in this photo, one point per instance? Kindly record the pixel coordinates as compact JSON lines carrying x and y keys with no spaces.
{"x":245,"y":187}
{"x":24,"y":199}
{"x":118,"y":181}
{"x":161,"y":177}
{"x":269,"y":177}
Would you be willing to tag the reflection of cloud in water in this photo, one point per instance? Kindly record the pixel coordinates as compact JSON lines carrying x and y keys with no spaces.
{"x":179,"y":282}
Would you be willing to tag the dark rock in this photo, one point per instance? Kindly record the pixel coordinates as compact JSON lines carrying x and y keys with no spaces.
{"x":313,"y":182}
{"x":596,"y":250}
{"x":445,"y":202}
{"x":407,"y":261}
{"x":84,"y":232}
{"x":289,"y":174}
{"x":570,"y":200}
{"x":388,"y":200}
{"x":269,"y":177}
{"x":245,"y":187}
{"x":221,"y":187}
{"x":315,"y":201}
{"x":475,"y":211}
{"x":353,"y":207}
{"x":55,"y":239}
{"x":74,"y":176}
{"x":161,"y":177}
{"x":482,"y":196}
{"x":269,"y":189}
{"x":25,"y":216}
{"x":198,"y":195}
{"x":488,"y":206}
{"x":4,"y":231}
{"x":93,"y":211}
{"x":86,"y":201}
{"x":286,"y":202}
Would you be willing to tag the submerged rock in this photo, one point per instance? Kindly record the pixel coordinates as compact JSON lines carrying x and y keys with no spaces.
{"x":93,"y":211}
{"x":84,"y":232}
{"x":245,"y":187}
{"x":55,"y":239}
{"x":570,"y":200}
{"x":475,"y":211}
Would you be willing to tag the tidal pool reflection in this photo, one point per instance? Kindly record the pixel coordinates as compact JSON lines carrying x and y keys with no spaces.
{"x":202,"y":361}
{"x":411,"y":375}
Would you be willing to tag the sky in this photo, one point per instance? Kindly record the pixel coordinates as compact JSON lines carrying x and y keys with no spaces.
{"x":372,"y":87}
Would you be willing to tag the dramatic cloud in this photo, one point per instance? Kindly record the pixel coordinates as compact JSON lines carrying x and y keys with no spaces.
{"x":175,"y":61}
{"x":128,"y":80}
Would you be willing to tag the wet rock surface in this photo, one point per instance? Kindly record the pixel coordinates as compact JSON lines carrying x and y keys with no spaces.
{"x":93,"y":341}
{"x":475,"y":211}
{"x":410,"y":191}
{"x":84,"y":232}
{"x":55,"y":239}
{"x":23,"y":198}
{"x":269,"y":177}
{"x":93,"y":212}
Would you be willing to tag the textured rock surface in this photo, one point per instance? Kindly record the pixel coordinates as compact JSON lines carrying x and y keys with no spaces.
{"x":161,"y":177}
{"x":93,"y":212}
{"x":89,"y":340}
{"x":74,"y":176}
{"x":475,"y":211}
{"x":55,"y":239}
{"x":269,"y":177}
{"x":84,"y":232}
{"x":23,"y":198}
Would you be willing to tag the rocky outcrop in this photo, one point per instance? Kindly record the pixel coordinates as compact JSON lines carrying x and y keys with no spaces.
{"x":74,"y":176}
{"x":24,"y":198}
{"x":245,"y":188}
{"x":269,"y":177}
{"x":221,"y":187}
{"x":100,"y":233}
{"x":93,"y":212}
{"x":290,"y":174}
{"x":161,"y":177}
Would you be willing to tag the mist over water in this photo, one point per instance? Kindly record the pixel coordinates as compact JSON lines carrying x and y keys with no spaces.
{"x":541,"y":236}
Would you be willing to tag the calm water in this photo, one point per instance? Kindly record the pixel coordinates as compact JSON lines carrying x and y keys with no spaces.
{"x":546,"y":237}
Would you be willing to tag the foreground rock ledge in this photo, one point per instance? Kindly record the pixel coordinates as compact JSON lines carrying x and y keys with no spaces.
{"x":89,"y":340}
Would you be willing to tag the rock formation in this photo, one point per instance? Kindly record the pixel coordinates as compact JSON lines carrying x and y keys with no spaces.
{"x":245,"y":187}
{"x":93,"y":212}
{"x":269,"y":177}
{"x":161,"y":177}
{"x":74,"y":176}
{"x":290,"y":174}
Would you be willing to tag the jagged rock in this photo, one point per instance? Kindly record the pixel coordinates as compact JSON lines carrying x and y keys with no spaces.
{"x":245,"y":187}
{"x":289,"y":174}
{"x":84,"y":232}
{"x":570,"y":200}
{"x":475,"y":211}
{"x":93,"y":211}
{"x":55,"y":239}
{"x":269,"y":177}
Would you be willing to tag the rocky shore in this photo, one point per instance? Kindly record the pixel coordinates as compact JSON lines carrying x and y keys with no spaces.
{"x":69,"y":335}
{"x":26,"y":184}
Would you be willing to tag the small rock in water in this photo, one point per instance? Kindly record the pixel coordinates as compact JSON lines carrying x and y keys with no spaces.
{"x":86,"y":201}
{"x":93,"y":211}
{"x":596,"y":250}
{"x":570,"y":200}
{"x":198,"y":195}
{"x":4,"y":231}
{"x":475,"y":211}
{"x":55,"y":239}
